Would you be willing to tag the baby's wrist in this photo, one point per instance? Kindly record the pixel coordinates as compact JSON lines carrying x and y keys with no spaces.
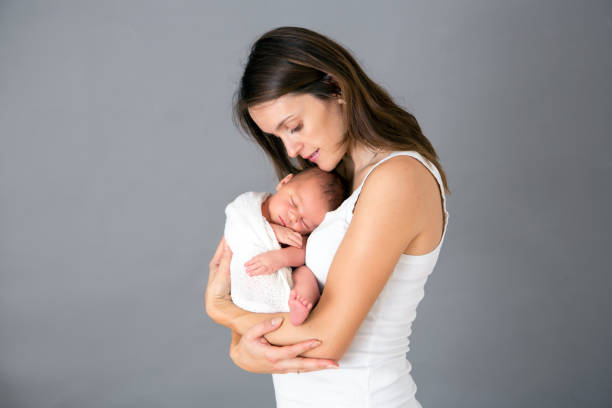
{"x":280,"y":259}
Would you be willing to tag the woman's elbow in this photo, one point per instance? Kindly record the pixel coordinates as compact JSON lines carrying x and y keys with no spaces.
{"x":333,"y":346}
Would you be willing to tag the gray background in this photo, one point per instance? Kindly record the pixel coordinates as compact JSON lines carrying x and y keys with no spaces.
{"x":118,"y":155}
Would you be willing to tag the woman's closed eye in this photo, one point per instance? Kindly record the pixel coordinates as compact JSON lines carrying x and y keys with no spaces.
{"x":295,"y":129}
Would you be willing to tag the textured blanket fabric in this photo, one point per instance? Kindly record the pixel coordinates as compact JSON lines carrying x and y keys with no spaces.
{"x":248,"y":234}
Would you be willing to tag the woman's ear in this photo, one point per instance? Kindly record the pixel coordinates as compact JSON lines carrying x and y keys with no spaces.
{"x":284,"y":181}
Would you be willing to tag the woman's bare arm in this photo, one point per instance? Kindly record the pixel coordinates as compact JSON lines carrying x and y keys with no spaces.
{"x":386,"y":220}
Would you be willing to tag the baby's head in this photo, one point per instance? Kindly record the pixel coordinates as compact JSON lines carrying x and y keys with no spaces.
{"x":301,"y":200}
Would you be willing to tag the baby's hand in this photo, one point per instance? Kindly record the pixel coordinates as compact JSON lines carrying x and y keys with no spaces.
{"x":287,"y":236}
{"x":265,"y":263}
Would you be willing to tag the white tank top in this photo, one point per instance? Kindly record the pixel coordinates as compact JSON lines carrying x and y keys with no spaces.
{"x":374,"y":371}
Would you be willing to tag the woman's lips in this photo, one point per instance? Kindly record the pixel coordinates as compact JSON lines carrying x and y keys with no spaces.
{"x":314,"y":156}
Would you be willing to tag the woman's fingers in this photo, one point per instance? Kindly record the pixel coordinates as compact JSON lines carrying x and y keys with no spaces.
{"x":302,"y":365}
{"x":219,"y":275}
{"x":226,"y":257}
{"x":218,"y":253}
{"x":262,"y":328}
{"x":288,"y":361}
{"x":289,"y":352}
{"x":253,"y":353}
{"x":226,"y":249}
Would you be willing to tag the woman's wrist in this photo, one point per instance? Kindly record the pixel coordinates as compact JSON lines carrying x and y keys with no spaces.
{"x":217,"y":309}
{"x":223,"y":311}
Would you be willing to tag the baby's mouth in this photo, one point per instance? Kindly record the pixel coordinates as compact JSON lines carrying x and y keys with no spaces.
{"x":282,"y":221}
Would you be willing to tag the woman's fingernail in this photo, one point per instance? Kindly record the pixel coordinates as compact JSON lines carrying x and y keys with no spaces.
{"x":315,"y":344}
{"x":276,"y":321}
{"x":332,"y":366}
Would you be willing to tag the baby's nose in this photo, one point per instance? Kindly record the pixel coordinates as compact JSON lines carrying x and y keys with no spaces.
{"x":293,"y":217}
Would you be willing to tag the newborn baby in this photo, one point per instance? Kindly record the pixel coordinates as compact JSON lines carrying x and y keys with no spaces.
{"x":256,"y":226}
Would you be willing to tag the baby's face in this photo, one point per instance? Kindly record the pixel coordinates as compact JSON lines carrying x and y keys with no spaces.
{"x":299,"y":204}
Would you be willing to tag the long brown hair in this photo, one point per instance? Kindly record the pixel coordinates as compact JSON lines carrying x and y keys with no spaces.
{"x":297,"y":60}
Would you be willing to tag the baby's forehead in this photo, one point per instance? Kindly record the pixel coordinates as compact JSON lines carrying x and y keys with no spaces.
{"x":311,"y":181}
{"x":311,"y":184}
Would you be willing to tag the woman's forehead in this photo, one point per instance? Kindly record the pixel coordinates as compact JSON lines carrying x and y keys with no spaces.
{"x":268,"y":115}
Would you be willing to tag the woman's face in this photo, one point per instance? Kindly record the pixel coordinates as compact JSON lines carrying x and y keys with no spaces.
{"x":308,"y":126}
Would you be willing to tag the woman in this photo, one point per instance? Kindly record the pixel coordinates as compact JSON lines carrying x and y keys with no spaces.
{"x":305,"y":101}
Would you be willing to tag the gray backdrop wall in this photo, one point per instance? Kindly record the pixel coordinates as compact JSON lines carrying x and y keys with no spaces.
{"x":118,"y":155}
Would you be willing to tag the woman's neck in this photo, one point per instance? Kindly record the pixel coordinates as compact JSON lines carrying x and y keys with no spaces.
{"x":362,"y":157}
{"x":357,"y":161}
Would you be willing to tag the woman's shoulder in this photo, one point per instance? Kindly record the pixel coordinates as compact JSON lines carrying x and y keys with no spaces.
{"x":404,"y":197}
{"x":401,"y":183}
{"x":397,"y":181}
{"x":401,"y":172}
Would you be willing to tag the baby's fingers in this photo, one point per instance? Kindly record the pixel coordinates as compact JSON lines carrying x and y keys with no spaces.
{"x":296,"y":239}
{"x":252,"y":261}
{"x":258,"y":270}
{"x":253,"y":265}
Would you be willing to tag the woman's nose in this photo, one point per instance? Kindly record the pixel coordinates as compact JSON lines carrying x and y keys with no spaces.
{"x":293,"y":147}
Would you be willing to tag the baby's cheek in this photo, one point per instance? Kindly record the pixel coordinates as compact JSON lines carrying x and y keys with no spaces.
{"x":313,"y":228}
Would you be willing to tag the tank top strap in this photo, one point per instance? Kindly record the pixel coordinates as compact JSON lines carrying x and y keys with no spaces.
{"x":352,"y":200}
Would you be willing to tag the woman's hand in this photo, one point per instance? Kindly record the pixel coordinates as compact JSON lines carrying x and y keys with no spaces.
{"x":218,"y":288}
{"x":253,"y":353}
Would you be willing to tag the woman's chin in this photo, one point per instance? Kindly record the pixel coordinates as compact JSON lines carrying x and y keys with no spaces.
{"x":327,"y":166}
{"x":324,"y":167}
{"x":321,"y":164}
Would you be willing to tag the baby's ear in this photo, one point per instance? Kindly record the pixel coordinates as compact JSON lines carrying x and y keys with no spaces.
{"x":284,"y":181}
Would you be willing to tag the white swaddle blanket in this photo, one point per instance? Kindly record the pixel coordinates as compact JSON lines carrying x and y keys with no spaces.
{"x":248,"y":233}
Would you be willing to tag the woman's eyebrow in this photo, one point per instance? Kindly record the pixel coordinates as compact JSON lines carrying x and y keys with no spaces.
{"x":282,"y":123}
